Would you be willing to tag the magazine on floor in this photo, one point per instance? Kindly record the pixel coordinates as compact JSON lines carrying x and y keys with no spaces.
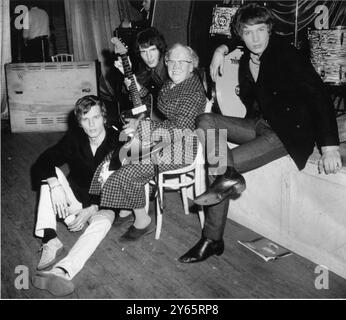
{"x":265,"y":248}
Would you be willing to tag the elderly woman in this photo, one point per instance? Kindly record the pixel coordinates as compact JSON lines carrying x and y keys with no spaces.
{"x":181,"y":99}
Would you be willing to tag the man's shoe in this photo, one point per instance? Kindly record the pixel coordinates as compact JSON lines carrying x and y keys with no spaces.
{"x":222,"y":188}
{"x":51,"y":251}
{"x":133,"y":234}
{"x":53,"y":282}
{"x":203,"y":250}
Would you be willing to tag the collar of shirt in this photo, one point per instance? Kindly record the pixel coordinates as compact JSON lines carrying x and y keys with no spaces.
{"x":255,"y":58}
{"x":254,"y":64}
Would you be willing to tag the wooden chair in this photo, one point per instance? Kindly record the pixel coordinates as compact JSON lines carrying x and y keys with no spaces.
{"x":62,"y":57}
{"x":181,"y":179}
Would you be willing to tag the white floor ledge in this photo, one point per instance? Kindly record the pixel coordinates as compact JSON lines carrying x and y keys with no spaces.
{"x":302,"y":211}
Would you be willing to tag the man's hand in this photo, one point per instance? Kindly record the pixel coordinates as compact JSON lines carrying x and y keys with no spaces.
{"x":126,"y":24}
{"x":59,"y":200}
{"x":217,"y":63}
{"x":119,"y":65}
{"x":82,"y":217}
{"x":128,"y":82}
{"x":330,"y":161}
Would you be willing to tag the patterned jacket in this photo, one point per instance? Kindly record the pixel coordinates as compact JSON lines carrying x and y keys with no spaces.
{"x":181,"y":104}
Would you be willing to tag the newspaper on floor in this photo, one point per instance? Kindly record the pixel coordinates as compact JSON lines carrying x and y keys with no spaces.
{"x":265,"y":248}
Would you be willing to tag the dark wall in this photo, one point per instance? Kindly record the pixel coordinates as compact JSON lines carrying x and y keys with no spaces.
{"x":199,"y":39}
{"x":171,"y":18}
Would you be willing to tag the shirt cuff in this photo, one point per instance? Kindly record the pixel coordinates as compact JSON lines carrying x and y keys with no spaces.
{"x":223,"y":49}
{"x":329,"y":148}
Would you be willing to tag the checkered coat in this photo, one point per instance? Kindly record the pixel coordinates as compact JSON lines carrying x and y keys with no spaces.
{"x":181,"y":104}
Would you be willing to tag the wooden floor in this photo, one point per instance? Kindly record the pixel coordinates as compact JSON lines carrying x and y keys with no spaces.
{"x":149,"y":268}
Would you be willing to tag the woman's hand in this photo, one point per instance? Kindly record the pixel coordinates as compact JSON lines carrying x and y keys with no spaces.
{"x":131,"y":126}
{"x":330,"y":161}
{"x":217,"y":63}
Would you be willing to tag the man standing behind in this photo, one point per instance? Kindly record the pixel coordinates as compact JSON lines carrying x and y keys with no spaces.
{"x":83,"y":149}
{"x":36,"y":37}
{"x":151,"y":72}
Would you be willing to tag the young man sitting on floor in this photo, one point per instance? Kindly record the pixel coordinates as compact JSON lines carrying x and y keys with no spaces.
{"x":83,"y":149}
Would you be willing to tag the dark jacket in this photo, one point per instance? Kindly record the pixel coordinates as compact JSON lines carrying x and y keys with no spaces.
{"x":74,"y":149}
{"x":291,"y":96}
{"x":150,"y":79}
{"x":153,"y":80}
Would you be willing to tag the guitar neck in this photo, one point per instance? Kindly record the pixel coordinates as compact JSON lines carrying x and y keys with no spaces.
{"x":135,"y":97}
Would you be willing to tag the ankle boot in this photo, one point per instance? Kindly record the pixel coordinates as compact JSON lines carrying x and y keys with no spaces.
{"x":203,"y":250}
{"x":232,"y":183}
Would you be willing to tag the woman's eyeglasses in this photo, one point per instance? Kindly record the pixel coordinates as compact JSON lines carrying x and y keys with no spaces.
{"x":180,"y":63}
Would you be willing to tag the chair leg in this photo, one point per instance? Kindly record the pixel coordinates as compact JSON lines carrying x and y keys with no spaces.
{"x":158,"y":220}
{"x":201,"y":216}
{"x":160,"y":187}
{"x":158,"y":209}
{"x":147,"y":198}
{"x":184,"y":194}
{"x":198,"y":191}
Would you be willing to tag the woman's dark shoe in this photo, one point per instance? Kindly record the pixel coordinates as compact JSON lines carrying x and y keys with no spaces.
{"x":203,"y":250}
{"x":121,"y":220}
{"x":231,"y":184}
{"x":133,"y":234}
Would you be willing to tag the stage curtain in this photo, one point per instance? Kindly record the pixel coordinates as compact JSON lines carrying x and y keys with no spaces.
{"x":90,"y":25}
{"x":5,"y":52}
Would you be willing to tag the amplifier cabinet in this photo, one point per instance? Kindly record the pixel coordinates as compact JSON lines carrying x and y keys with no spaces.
{"x":42,"y":95}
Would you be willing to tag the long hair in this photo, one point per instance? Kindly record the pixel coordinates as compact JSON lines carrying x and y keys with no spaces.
{"x":150,"y":37}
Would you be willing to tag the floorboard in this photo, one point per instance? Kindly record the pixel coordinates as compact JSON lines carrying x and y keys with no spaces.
{"x":148,"y":268}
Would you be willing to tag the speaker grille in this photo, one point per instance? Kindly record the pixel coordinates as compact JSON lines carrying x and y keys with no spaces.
{"x":30,"y":121}
{"x":42,"y":95}
{"x":61,"y":119}
{"x":47,"y":120}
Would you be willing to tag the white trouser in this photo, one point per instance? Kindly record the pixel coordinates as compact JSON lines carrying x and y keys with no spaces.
{"x":46,"y":217}
{"x":99,"y":225}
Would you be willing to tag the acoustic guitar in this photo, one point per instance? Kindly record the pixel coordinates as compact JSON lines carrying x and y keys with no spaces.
{"x":227,"y":87}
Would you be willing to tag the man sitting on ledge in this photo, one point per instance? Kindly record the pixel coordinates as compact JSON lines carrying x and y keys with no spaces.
{"x":288,"y":111}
